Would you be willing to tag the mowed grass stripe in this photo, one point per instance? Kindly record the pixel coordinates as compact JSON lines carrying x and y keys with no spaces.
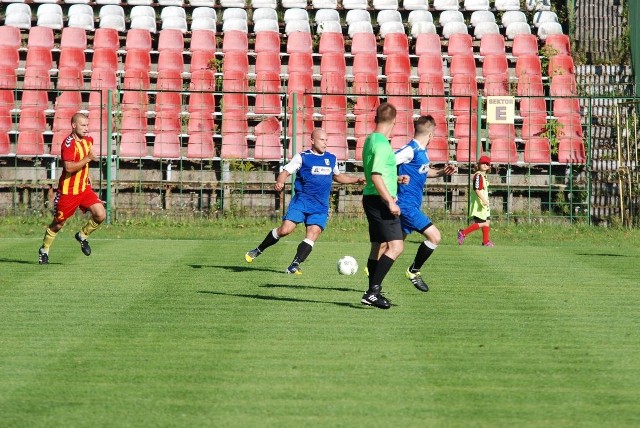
{"x":210,"y":340}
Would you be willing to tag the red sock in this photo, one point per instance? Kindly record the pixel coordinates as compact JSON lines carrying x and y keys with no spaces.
{"x":485,"y":234}
{"x":470,"y":229}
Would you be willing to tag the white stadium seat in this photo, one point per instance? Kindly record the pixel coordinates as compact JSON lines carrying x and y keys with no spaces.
{"x":266,"y":25}
{"x":49,"y":9}
{"x":503,"y":5}
{"x":324,"y":15}
{"x":137,"y":11}
{"x":481,"y":16}
{"x":256,"y":4}
{"x":419,"y":16}
{"x":113,"y":21}
{"x":447,"y":16}
{"x":51,"y":21}
{"x":357,"y":15}
{"x":385,"y":4}
{"x":174,"y":23}
{"x":18,"y":19}
{"x":446,"y":5}
{"x":485,"y":28}
{"x":297,"y":25}
{"x":295,"y":14}
{"x":290,"y":4}
{"x":144,"y":23}
{"x":81,"y":21}
{"x":511,"y":16}
{"x":476,"y":4}
{"x":235,"y":24}
{"x":265,"y":13}
{"x":111,"y":10}
{"x":329,"y":27}
{"x":232,"y":3}
{"x":202,"y":3}
{"x":422,"y":27}
{"x":140,"y":2}
{"x":234,"y":13}
{"x":325,"y":4}
{"x":388,"y":16}
{"x":547,"y":28}
{"x":415,"y":4}
{"x":170,"y":3}
{"x":454,"y":28}
{"x":543,"y":16}
{"x":516,"y":28}
{"x":360,"y":27}
{"x":355,"y":4}
{"x":203,"y":12}
{"x":391,"y":27}
{"x":203,"y":23}
{"x":539,"y":4}
{"x":172,"y":12}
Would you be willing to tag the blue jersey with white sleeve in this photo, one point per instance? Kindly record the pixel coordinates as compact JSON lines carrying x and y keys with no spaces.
{"x":314,"y":178}
{"x":412,"y":160}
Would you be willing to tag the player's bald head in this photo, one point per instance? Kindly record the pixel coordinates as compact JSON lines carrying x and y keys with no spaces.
{"x":318,"y":133}
{"x":76,"y":118}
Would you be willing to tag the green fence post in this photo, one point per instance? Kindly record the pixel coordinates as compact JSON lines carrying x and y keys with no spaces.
{"x":109,"y":158}
{"x":589,"y":159}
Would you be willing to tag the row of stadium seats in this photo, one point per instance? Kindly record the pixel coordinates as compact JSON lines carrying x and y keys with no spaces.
{"x":471,"y":5}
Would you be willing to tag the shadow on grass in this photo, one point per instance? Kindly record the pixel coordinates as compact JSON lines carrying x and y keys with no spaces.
{"x":602,"y":255}
{"x":283,"y":299}
{"x":21,"y":262}
{"x":310,"y":287}
{"x":239,"y":268}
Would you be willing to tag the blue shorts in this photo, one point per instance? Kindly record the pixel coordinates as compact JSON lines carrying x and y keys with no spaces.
{"x":299,"y":212}
{"x":413,"y":219}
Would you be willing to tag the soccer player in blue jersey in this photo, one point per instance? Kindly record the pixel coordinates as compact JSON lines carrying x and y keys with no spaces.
{"x":316,"y":170}
{"x":413,"y":160}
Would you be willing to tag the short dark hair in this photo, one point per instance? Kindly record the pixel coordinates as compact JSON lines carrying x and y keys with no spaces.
{"x":424,"y":125}
{"x":385,"y":113}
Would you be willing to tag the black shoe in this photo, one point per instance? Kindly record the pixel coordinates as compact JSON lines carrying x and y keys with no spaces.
{"x":43,"y":258}
{"x":373,"y":298}
{"x":84,"y":245}
{"x":416,"y":280}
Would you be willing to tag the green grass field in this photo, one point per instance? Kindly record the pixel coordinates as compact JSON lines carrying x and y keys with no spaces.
{"x":169,"y":326}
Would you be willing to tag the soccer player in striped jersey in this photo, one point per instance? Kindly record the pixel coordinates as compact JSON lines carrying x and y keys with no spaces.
{"x":413,"y":160}
{"x":316,"y":170}
{"x":480,"y":209}
{"x":74,"y":188}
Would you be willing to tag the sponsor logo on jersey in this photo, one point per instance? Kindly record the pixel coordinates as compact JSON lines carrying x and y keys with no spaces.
{"x":321,"y":170}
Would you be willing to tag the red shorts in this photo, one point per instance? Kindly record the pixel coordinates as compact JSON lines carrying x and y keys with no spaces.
{"x":65,"y":206}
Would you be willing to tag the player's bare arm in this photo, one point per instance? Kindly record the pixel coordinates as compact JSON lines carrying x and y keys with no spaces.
{"x":282,"y":177}
{"x":348,"y":179}
{"x":442,"y":172}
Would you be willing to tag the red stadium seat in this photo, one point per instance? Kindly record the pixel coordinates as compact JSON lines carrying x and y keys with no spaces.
{"x":69,"y":78}
{"x":533,"y":127}
{"x":170,"y":60}
{"x":430,"y":64}
{"x":399,"y":84}
{"x":268,"y":145}
{"x":501,"y":131}
{"x":10,"y":37}
{"x":300,"y":63}
{"x":466,"y":127}
{"x":566,"y":106}
{"x":432,"y":105}
{"x":62,"y":119}
{"x":7,"y":100}
{"x":169,"y":80}
{"x":333,"y":83}
{"x":428,"y":44}
{"x":200,"y":146}
{"x":107,"y":38}
{"x":299,"y":41}
{"x":464,"y":85}
{"x":364,"y":43}
{"x":34,"y":99}
{"x":333,"y":62}
{"x":397,"y":64}
{"x":9,"y":57}
{"x":528,"y":64}
{"x":460,"y":44}
{"x":365,"y":86}
{"x":268,"y":62}
{"x":203,"y":40}
{"x":200,"y":121}
{"x":334,"y":105}
{"x":171,"y":40}
{"x":200,"y":60}
{"x":530,"y":85}
{"x":235,"y":41}
{"x":6,"y":120}
{"x":69,"y":99}
{"x":571,"y":150}
{"x":496,"y":85}
{"x":431,"y":84}
{"x":524,"y":44}
{"x":359,"y":146}
{"x":438,"y":150}
{"x":561,"y":64}
{"x":136,"y":80}
{"x":570,"y":126}
{"x":105,"y":58}
{"x":563,"y":85}
{"x":504,"y":151}
{"x":365,"y":63}
{"x":395,"y":43}
{"x":559,"y":42}
{"x":465,"y":151}
{"x":203,"y":80}
{"x":167,"y":120}
{"x":533,"y":107}
{"x":301,"y":83}
{"x":137,"y":59}
{"x":39,"y":57}
{"x":463,"y":64}
{"x":72,"y":58}
{"x":166,"y":145}
{"x":57,"y":140}
{"x":103,"y":78}
{"x":331,"y":43}
{"x":495,"y":64}
{"x":133,"y":120}
{"x":140,"y":39}
{"x":40,"y":37}
{"x":267,"y":41}
{"x":537,"y":151}
{"x":492,"y":44}
{"x":30,"y":143}
{"x":267,"y":97}
{"x":36,"y":79}
{"x":133,"y":144}
{"x":235,"y":61}
{"x":365,"y":124}
{"x":234,"y":146}
{"x":73,"y":37}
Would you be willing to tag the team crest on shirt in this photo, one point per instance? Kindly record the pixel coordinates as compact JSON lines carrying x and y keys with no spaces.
{"x":326,"y":162}
{"x":424,"y":168}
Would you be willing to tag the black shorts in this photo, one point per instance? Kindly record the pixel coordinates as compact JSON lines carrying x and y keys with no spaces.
{"x":383,"y":226}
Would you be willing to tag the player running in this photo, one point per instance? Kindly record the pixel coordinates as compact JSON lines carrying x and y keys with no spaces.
{"x":74,"y":188}
{"x":316,"y":169}
{"x":413,"y":160}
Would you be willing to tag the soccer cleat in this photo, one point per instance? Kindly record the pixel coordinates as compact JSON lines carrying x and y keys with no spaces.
{"x":43,"y":258}
{"x":251,"y":255}
{"x":416,"y":280}
{"x":84,"y":245}
{"x":461,"y":237}
{"x":488,"y":244}
{"x":294,"y":269}
{"x":373,"y":298}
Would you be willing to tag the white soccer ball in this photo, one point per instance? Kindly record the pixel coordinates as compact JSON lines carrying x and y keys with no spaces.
{"x":347,"y":265}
